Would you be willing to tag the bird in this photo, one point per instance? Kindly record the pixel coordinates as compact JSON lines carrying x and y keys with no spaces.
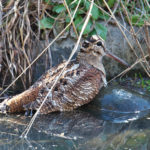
{"x":80,"y":82}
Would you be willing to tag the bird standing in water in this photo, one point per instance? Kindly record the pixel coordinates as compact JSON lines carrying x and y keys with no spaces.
{"x":78,"y":85}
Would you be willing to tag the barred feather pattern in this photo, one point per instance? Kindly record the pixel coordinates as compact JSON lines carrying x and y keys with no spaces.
{"x":78,"y":85}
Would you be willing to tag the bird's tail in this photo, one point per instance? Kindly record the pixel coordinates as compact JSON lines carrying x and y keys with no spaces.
{"x":16,"y":103}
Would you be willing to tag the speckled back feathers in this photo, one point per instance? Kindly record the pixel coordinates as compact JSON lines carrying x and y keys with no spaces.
{"x":78,"y":85}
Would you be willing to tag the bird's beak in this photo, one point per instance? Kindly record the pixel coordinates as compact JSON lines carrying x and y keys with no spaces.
{"x":109,"y":54}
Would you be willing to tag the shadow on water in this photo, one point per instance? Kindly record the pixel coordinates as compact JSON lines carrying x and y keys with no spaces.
{"x":117,"y":119}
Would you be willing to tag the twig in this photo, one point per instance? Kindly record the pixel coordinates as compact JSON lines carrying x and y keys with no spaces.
{"x":129,"y":68}
{"x":147,"y":3}
{"x":38,"y":56}
{"x":38,"y":19}
{"x":125,"y":36}
{"x":74,"y":28}
{"x":71,"y":55}
{"x":135,"y":37}
{"x":1,"y":12}
{"x":124,"y":23}
{"x":25,"y":133}
{"x":8,"y":5}
{"x":147,"y":38}
{"x":115,"y":8}
{"x":49,"y":51}
{"x":120,"y":27}
{"x":109,"y":16}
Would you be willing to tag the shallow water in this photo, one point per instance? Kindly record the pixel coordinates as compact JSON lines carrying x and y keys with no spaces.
{"x":118,"y":119}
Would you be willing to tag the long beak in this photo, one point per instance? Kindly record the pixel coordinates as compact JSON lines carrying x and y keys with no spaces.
{"x":109,"y":54}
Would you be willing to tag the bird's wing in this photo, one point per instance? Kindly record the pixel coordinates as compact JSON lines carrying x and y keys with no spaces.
{"x":78,"y":85}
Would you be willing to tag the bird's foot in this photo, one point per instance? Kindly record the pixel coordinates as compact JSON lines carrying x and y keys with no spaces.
{"x":29,"y":112}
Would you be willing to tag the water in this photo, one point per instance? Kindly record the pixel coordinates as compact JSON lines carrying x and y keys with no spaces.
{"x":118,"y":119}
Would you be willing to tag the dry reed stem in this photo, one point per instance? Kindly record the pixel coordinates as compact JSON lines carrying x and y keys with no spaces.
{"x":147,"y":38}
{"x":8,"y":5}
{"x":38,"y":19}
{"x":129,"y":68}
{"x":1,"y":14}
{"x":25,"y":133}
{"x":15,"y":36}
{"x":74,"y":28}
{"x":125,"y":36}
{"x":136,"y":39}
{"x":115,"y":9}
{"x":147,"y":3}
{"x":12,"y":24}
{"x":49,"y":51}
{"x":29,"y":66}
{"x":110,"y":16}
{"x":8,"y":26}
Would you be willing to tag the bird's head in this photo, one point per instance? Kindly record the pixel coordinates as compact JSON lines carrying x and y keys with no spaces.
{"x":93,"y":46}
{"x":92,"y":51}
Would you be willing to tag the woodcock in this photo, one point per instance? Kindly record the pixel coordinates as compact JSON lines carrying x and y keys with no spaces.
{"x":78,"y":85}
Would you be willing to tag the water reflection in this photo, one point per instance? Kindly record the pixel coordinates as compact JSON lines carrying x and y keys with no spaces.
{"x":90,"y":127}
{"x":90,"y":133}
{"x":76,"y":124}
{"x":56,"y":128}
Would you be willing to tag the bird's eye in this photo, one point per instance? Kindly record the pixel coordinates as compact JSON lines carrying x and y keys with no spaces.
{"x":99,"y":43}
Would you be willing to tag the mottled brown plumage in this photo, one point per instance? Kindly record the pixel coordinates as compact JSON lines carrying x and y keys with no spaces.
{"x":77,"y":86}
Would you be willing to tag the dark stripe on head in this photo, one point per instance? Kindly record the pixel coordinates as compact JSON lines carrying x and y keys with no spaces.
{"x":82,"y":50}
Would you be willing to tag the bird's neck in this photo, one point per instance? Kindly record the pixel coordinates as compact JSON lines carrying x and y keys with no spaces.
{"x":84,"y":58}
